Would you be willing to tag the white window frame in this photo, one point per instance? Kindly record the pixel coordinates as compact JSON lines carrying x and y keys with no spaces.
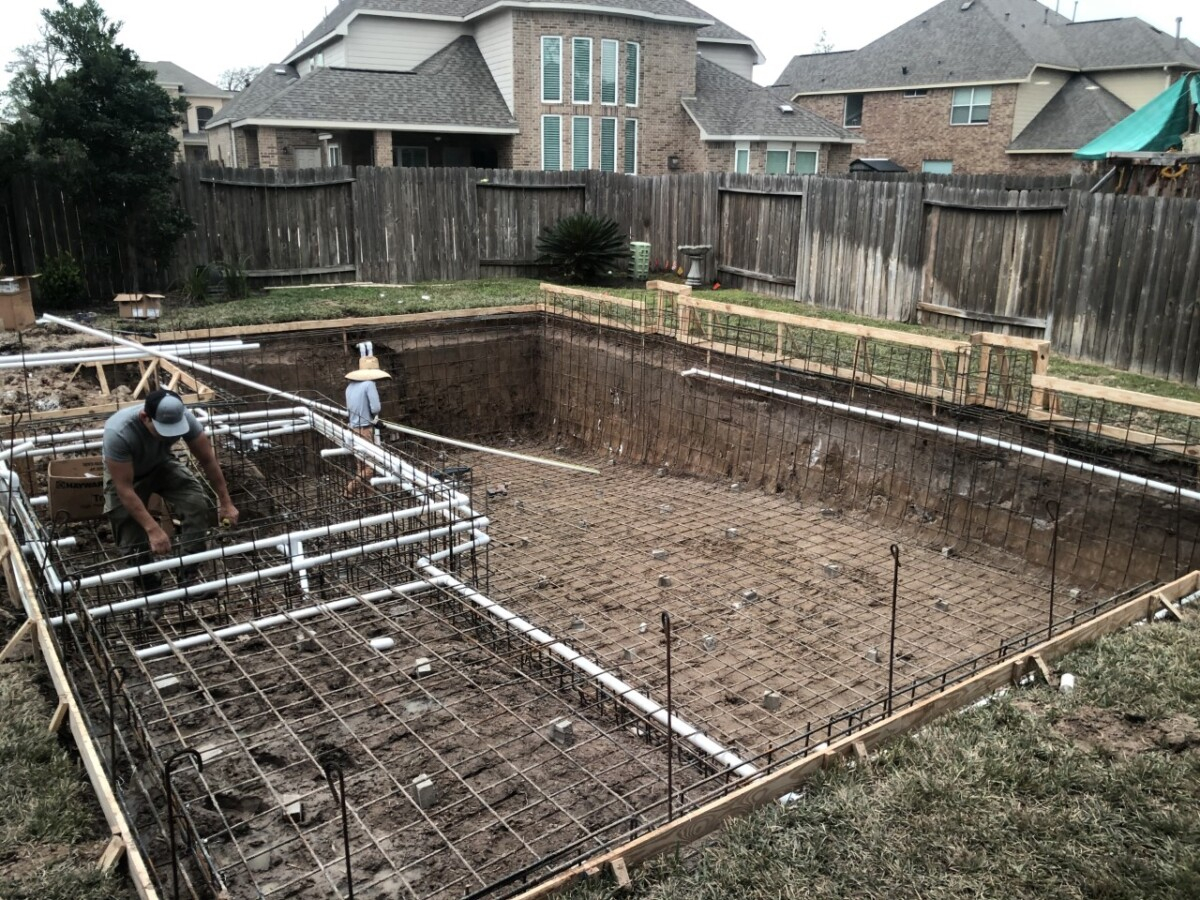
{"x":588,"y":164}
{"x":739,"y":148}
{"x":615,"y":46}
{"x":575,"y":41}
{"x":926,"y":162}
{"x":814,"y":149}
{"x":625,"y":147}
{"x":637,"y":75}
{"x":778,"y":147}
{"x":971,"y":105}
{"x":600,"y":162}
{"x":916,"y":93}
{"x":542,"y":142}
{"x":542,"y":70}
{"x":398,"y":154}
{"x":320,"y":60}
{"x":335,"y":150}
{"x":846,"y":110}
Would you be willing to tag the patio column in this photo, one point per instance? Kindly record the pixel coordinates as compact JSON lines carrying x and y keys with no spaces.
{"x":383,"y":148}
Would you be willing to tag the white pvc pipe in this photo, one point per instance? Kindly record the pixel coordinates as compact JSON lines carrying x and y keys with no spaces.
{"x":691,"y":734}
{"x":311,"y":562}
{"x":292,"y":616}
{"x":1116,"y":474}
{"x":111,"y":355}
{"x":267,"y":543}
{"x":478,"y":539}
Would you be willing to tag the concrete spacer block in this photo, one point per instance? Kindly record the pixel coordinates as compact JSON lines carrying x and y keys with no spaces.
{"x":710,"y":642}
{"x":1074,"y":593}
{"x":259,"y":860}
{"x":658,"y":554}
{"x":306,"y":639}
{"x":829,"y":513}
{"x":772,"y":700}
{"x":562,"y":732}
{"x":941,"y":605}
{"x":422,"y":668}
{"x":168,"y":684}
{"x":643,"y":628}
{"x":666,"y":508}
{"x":736,"y":487}
{"x":292,"y":807}
{"x":577,"y":624}
{"x":873,"y":655}
{"x":423,"y":791}
{"x":208,"y":752}
{"x":661,"y":472}
{"x":833,"y":570}
{"x":749,"y":595}
{"x":629,"y":654}
{"x":948,"y":552}
{"x":731,"y":534}
{"x":665,"y":581}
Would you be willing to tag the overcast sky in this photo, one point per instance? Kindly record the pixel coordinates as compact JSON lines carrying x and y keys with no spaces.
{"x":225,"y":34}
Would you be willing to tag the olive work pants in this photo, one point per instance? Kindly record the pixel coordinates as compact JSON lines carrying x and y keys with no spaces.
{"x":185,"y":496}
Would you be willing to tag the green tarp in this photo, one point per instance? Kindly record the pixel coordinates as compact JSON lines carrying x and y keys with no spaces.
{"x":1158,"y":125}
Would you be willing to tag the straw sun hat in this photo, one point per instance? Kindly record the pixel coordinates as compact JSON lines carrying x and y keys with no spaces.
{"x":368,"y":370}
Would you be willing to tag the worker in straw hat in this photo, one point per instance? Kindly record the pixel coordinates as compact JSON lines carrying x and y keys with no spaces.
{"x":363,"y":405}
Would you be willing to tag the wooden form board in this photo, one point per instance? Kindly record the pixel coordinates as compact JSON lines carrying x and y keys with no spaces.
{"x":20,"y":582}
{"x":768,"y":788}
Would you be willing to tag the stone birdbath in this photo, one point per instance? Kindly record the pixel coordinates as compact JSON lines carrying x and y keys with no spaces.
{"x":695,"y":253}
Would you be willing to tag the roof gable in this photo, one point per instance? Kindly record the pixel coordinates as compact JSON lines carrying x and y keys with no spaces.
{"x":1077,"y":113}
{"x":168,"y":73}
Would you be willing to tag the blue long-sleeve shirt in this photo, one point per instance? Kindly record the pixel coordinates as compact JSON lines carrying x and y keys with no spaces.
{"x":362,"y":401}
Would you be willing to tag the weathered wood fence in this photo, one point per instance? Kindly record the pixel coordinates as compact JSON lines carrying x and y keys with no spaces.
{"x":1112,"y":279}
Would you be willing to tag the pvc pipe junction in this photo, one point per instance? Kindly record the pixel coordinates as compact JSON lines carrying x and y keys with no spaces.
{"x":1090,"y":468}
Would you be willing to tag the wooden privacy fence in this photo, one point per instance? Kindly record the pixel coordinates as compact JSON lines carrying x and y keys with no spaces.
{"x":1111,"y":279}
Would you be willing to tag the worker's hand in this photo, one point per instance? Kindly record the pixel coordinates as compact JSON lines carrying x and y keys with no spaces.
{"x":227,"y":514}
{"x":160,"y":544}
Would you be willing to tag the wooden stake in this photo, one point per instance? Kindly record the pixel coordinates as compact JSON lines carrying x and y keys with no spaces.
{"x":20,"y":645}
{"x":1171,"y":608}
{"x":60,"y":716}
{"x":1044,"y":668}
{"x":112,"y":855}
{"x":620,"y":872}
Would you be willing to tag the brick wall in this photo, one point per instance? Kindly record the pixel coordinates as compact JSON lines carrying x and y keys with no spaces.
{"x":718,"y":156}
{"x":911,"y":130}
{"x":668,"y":73}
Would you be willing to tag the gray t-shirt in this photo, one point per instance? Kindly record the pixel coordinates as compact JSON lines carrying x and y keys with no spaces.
{"x":126,"y":439}
{"x":362,"y":401}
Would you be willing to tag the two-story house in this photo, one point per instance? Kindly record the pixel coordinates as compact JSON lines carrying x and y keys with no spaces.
{"x":989,"y":86}
{"x":204,"y":101}
{"x":637,"y":86}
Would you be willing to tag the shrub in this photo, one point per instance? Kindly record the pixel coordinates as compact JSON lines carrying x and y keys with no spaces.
{"x":195,"y":286}
{"x":583,"y":247}
{"x":237,"y":279}
{"x":61,"y":284}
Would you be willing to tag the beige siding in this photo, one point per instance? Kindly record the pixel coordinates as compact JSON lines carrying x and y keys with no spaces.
{"x":335,"y":54}
{"x":737,"y":58}
{"x":376,"y":42}
{"x":1033,"y":96}
{"x":494,"y":35}
{"x":1136,"y":88}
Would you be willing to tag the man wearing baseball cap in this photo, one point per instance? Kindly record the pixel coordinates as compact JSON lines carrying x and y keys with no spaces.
{"x":138,"y":462}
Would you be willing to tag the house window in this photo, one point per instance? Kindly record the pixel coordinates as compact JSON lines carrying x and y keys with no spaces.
{"x":631,"y":154}
{"x":608,"y":145}
{"x":552,"y":143}
{"x":551,"y":70}
{"x":581,"y":142}
{"x":203,"y":114}
{"x":971,"y":106}
{"x":852,"y":116}
{"x":633,"y":73}
{"x":806,"y":162}
{"x":741,"y":157}
{"x":581,"y":70}
{"x":937,"y":166}
{"x":608,"y":72}
{"x":915,"y":92}
{"x":335,"y":154}
{"x":320,"y":60}
{"x":411,"y":157}
{"x":778,"y":158}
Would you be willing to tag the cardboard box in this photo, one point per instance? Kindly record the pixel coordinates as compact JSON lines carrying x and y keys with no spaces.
{"x":76,"y":487}
{"x":16,"y":303}
{"x":139,"y":306}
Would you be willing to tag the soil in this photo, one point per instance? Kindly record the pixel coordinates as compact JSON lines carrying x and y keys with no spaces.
{"x":1128,"y":733}
{"x":42,"y":388}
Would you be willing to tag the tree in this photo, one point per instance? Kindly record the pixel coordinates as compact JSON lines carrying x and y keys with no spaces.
{"x":823,"y":43}
{"x":237,"y":79}
{"x":101,"y":128}
{"x":36,"y":59}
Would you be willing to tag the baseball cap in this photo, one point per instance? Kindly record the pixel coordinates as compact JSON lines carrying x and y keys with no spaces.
{"x":166,"y":409}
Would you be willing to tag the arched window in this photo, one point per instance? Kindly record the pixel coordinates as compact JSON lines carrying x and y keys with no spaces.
{"x":203,"y":114}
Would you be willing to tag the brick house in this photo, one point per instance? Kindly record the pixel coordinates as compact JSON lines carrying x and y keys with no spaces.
{"x":204,"y":102}
{"x":989,"y":86}
{"x":637,"y":86}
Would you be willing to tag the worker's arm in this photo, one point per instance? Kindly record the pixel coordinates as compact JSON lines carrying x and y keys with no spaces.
{"x":121,"y":475}
{"x":202,"y":450}
{"x":373,"y":399}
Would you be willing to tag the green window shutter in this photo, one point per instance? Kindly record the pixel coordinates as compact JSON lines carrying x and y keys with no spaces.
{"x":608,"y":72}
{"x":581,"y":142}
{"x":581,"y":68}
{"x":608,"y":145}
{"x":551,"y":70}
{"x":631,"y":155}
{"x":552,"y":143}
{"x":633,"y":65}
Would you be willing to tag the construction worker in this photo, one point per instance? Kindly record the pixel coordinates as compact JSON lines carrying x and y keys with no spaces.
{"x":138,"y":462}
{"x":363,"y":406}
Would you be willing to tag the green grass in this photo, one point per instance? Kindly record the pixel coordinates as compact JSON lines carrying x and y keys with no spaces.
{"x":1038,"y":795}
{"x":51,"y":831}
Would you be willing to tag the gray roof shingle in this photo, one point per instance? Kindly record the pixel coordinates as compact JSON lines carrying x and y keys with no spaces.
{"x":461,"y":9}
{"x":266,"y":85}
{"x":727,"y":104}
{"x":166,"y":72}
{"x":1080,"y":111}
{"x":452,"y":88}
{"x":960,"y":41}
